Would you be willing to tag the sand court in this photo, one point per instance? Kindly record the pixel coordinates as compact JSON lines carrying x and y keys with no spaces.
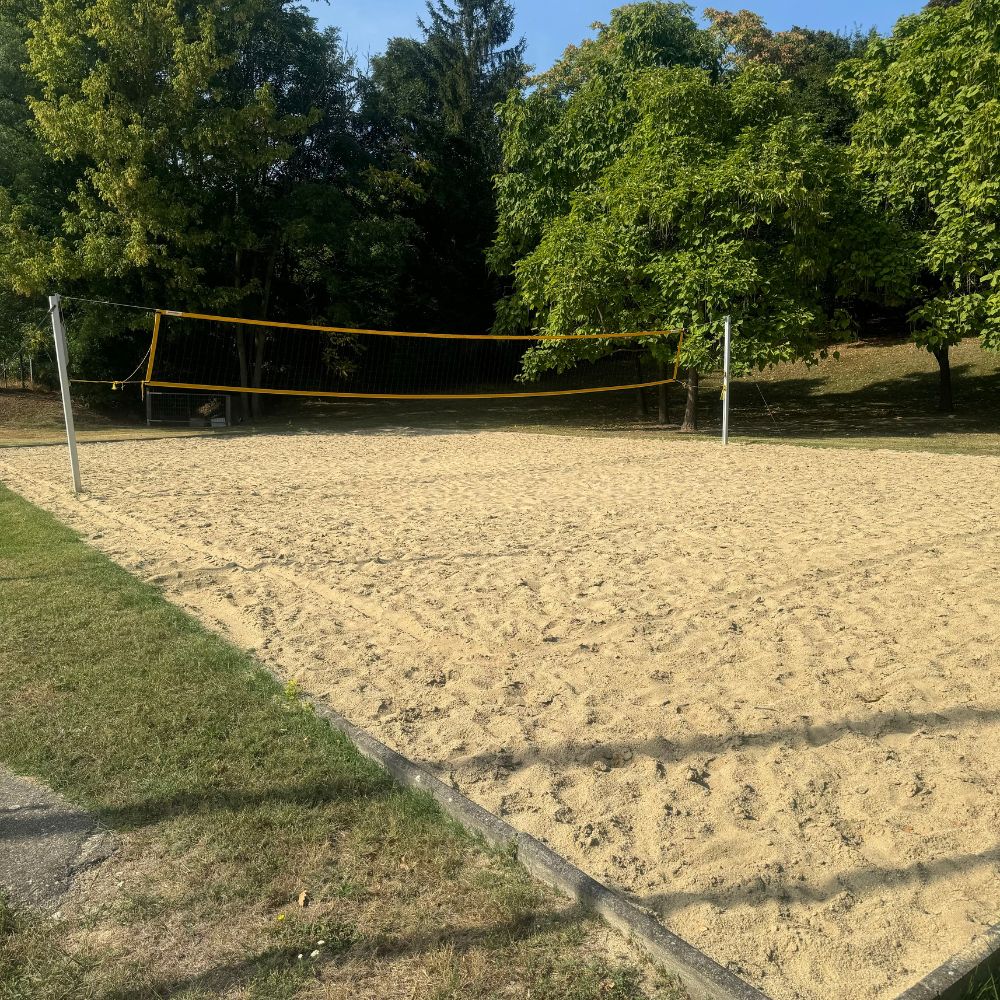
{"x":756,"y":688}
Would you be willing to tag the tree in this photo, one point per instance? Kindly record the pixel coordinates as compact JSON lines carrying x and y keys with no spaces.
{"x":926,"y":146}
{"x":640,"y":192}
{"x":567,"y":129}
{"x":806,"y":57}
{"x":209,"y":153}
{"x":431,"y":129}
{"x":28,"y":185}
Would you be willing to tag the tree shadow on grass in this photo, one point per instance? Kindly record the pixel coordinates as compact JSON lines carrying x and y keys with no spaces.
{"x":283,"y":959}
{"x":307,"y":795}
{"x":805,"y":406}
{"x":898,"y":407}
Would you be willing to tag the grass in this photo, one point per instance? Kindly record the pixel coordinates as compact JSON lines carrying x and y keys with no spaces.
{"x":878,"y":394}
{"x":985,"y":986}
{"x":230,"y":799}
{"x":34,"y":416}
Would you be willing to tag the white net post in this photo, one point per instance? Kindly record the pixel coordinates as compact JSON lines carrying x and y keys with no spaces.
{"x":725,"y":380}
{"x":62,"y":363}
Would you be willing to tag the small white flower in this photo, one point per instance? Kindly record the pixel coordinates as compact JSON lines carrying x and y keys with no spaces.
{"x":315,"y":954}
{"x":302,"y":956}
{"x":321,"y":943}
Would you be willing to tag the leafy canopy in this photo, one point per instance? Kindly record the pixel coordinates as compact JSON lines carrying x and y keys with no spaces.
{"x":643,"y":192}
{"x":429,"y":120}
{"x":927,"y":145}
{"x":807,"y":58}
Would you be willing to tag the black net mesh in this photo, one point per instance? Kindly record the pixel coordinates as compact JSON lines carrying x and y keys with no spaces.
{"x":221,"y":354}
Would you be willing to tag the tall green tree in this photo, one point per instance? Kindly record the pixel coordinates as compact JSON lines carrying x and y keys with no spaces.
{"x":208,"y":148}
{"x":567,"y":128}
{"x":32,"y":190}
{"x":431,"y":128}
{"x":926,"y":145}
{"x":642,"y":191}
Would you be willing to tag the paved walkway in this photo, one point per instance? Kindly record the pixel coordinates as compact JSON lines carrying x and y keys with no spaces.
{"x":44,"y":842}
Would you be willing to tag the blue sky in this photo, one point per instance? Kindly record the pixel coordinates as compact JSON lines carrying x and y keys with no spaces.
{"x":550,"y":25}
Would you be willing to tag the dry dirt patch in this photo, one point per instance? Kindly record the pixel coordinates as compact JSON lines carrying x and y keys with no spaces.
{"x":755,"y":687}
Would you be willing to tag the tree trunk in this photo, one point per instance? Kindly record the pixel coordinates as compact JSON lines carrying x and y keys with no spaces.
{"x":256,"y":400}
{"x":640,"y":397}
{"x":258,"y":367}
{"x":945,"y":401}
{"x":661,"y":396}
{"x":691,"y":404}
{"x":241,"y":350}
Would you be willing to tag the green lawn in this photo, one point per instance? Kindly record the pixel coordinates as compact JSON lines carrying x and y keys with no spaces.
{"x":986,"y":986}
{"x":876,"y":395}
{"x":230,"y":799}
{"x":29,"y":417}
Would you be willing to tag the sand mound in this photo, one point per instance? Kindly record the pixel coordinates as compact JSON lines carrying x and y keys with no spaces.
{"x":755,"y":687}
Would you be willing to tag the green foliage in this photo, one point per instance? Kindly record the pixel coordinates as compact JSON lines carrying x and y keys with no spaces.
{"x":227,"y":155}
{"x":807,"y":58}
{"x":188,"y":127}
{"x":564,"y":132}
{"x":643,"y":192}
{"x":32,"y":185}
{"x":926,"y":144}
{"x":430,"y":126}
{"x":197,"y":154}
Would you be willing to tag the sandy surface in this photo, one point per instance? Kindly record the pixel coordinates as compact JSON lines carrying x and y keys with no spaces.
{"x":754,"y":687}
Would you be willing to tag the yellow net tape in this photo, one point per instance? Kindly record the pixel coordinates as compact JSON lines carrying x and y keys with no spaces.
{"x":403,"y":395}
{"x":411,"y":333}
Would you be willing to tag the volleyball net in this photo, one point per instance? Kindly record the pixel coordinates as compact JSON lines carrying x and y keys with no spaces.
{"x":200,"y":352}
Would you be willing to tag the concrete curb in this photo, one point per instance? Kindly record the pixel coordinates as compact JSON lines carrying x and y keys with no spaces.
{"x":703,"y":978}
{"x":953,"y":979}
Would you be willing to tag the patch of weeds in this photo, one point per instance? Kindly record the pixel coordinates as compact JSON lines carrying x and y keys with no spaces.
{"x":986,"y":984}
{"x":508,"y":891}
{"x":33,"y":963}
{"x":317,"y":940}
{"x":345,"y":889}
{"x":137,"y":905}
{"x":285,"y":984}
{"x":8,"y":919}
{"x":598,"y":981}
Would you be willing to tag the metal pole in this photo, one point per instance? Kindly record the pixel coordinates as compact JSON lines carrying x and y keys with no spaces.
{"x":725,"y":381}
{"x":62,"y":363}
